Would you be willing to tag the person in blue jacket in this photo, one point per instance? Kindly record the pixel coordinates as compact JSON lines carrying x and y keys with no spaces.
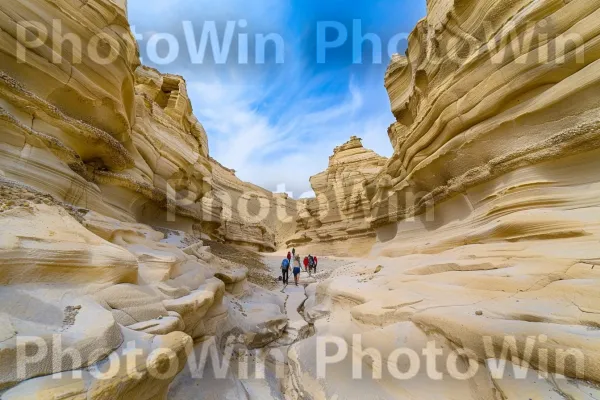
{"x":285,"y":267}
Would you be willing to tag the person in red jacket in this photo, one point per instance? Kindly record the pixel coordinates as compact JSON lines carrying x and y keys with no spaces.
{"x":306,"y":263}
{"x":289,"y":256}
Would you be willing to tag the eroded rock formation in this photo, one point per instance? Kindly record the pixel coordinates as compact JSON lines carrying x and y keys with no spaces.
{"x":106,"y":136}
{"x":483,"y":226}
{"x":483,"y":92}
{"x":94,"y":149}
{"x":486,"y":216}
{"x":251,"y":216}
{"x":337,"y":221}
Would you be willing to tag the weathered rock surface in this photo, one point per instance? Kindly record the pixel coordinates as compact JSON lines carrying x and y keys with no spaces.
{"x":251,"y":216}
{"x":146,"y":377}
{"x":93,"y":150}
{"x":483,"y":226}
{"x":41,"y":243}
{"x":336,"y":222}
{"x":69,"y":292}
{"x":114,"y":137}
{"x":485,"y":91}
{"x":487,"y":216}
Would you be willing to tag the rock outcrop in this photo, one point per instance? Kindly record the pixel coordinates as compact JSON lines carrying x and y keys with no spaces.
{"x":484,"y":91}
{"x":251,"y":216}
{"x":487,"y":216}
{"x":336,"y":222}
{"x":90,"y":127}
{"x":483,"y":227}
{"x":103,"y":135}
{"x":94,"y":149}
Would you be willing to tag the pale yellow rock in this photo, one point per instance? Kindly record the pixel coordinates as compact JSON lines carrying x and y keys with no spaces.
{"x":483,"y":226}
{"x":487,"y":215}
{"x":107,"y":136}
{"x":91,"y":152}
{"x":251,"y":216}
{"x":476,"y":99}
{"x":336,"y":221}
{"x":146,"y":376}
{"x":41,"y":243}
{"x":42,"y":322}
{"x":174,"y":292}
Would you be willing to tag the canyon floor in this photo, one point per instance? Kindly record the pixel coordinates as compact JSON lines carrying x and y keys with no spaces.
{"x":264,"y":270}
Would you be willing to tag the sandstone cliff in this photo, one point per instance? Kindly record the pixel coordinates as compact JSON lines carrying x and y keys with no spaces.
{"x":483,"y":226}
{"x":94,"y":149}
{"x":486,"y":90}
{"x":487,"y":214}
{"x":106,"y":136}
{"x":251,"y":216}
{"x":336,"y":222}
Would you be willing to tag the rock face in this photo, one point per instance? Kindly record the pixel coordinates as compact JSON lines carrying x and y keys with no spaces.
{"x":483,"y":92}
{"x":251,"y":216}
{"x":106,"y":136}
{"x":173,"y":154}
{"x":94,"y":149}
{"x":337,"y":221}
{"x":483,"y":227}
{"x":487,"y":215}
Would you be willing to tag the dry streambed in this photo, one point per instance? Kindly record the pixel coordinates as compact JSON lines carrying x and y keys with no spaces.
{"x":256,"y":337}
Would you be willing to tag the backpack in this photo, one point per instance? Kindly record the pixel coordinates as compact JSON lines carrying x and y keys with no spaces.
{"x":311,"y":261}
{"x":285,"y":264}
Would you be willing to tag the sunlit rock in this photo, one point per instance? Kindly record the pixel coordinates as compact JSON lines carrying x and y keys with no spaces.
{"x":336,"y":221}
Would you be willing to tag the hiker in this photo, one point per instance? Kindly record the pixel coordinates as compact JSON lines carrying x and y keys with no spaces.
{"x":316,"y":263}
{"x":285,"y":266}
{"x":296,"y":269}
{"x":294,"y":252}
{"x":311,"y":263}
{"x":289,"y":256}
{"x":306,"y":263}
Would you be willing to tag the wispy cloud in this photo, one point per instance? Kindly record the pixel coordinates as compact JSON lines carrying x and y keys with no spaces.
{"x":278,"y":124}
{"x":270,"y":153}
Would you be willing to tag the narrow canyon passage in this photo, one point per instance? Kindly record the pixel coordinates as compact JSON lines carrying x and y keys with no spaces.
{"x":201,"y":379}
{"x":134,"y":265}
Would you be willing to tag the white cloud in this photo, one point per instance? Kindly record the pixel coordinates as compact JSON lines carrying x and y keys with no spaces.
{"x":275,"y":125}
{"x":288,"y":151}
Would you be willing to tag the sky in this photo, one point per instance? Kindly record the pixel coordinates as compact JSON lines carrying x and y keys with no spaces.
{"x":276,"y":119}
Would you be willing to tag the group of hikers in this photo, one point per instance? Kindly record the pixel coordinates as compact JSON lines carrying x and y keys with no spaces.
{"x":310,"y":265}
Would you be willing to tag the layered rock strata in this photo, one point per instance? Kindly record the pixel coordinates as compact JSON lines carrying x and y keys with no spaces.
{"x":94,"y":149}
{"x":484,"y":91}
{"x":337,"y":221}
{"x":251,"y":216}
{"x":99,"y":133}
{"x":487,"y":216}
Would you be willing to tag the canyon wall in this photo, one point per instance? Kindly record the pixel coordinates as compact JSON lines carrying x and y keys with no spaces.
{"x":487,"y":215}
{"x":336,"y":222}
{"x":251,"y":216}
{"x":483,"y":226}
{"x":112,"y":137}
{"x":486,"y":90}
{"x":106,"y":190}
{"x":84,"y":124}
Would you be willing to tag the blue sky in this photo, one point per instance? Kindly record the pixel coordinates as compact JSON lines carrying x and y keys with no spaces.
{"x":277,"y":123}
